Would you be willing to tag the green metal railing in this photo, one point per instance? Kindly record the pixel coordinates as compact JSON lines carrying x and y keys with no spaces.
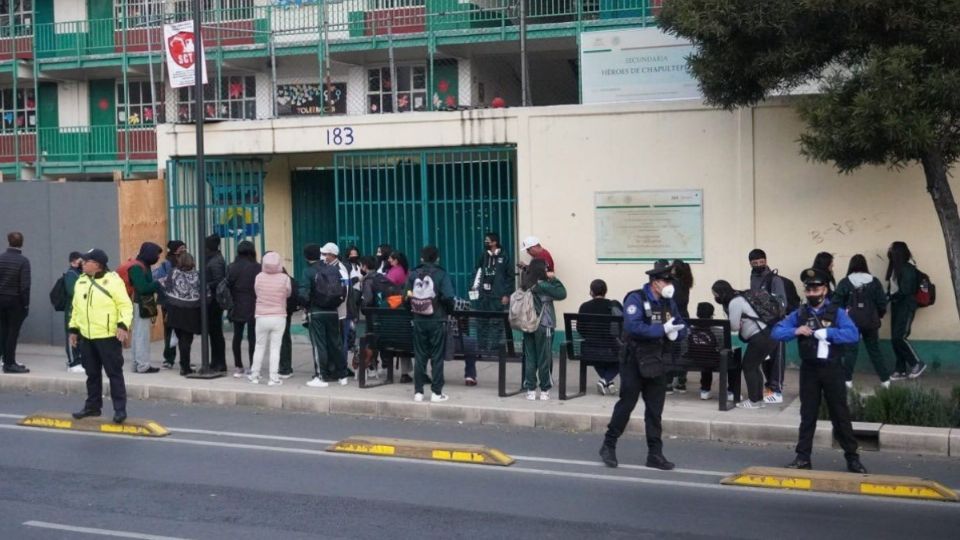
{"x":95,"y":144}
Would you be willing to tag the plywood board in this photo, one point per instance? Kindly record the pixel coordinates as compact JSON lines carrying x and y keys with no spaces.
{"x":142,"y":206}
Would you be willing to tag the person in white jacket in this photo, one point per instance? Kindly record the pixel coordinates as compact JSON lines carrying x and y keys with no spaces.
{"x":273,"y":288}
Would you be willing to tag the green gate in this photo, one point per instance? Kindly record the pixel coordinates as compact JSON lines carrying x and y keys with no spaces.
{"x":234,"y":193}
{"x":445,"y":197}
{"x":314,"y":212}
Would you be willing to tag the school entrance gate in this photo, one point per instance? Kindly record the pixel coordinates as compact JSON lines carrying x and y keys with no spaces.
{"x":408,"y":199}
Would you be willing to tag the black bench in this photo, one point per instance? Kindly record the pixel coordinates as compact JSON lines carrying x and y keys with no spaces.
{"x":594,"y":339}
{"x":476,"y":335}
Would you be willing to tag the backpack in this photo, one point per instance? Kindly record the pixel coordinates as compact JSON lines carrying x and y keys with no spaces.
{"x":926,"y":294}
{"x":862,"y":310}
{"x":523,"y":311}
{"x":423,"y":296}
{"x":223,"y":296}
{"x":768,"y":308}
{"x":58,"y":294}
{"x":124,"y":272}
{"x":328,"y":290}
{"x":789,"y":288}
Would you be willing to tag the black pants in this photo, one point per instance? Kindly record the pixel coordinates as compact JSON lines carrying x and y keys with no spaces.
{"x":824,"y":380}
{"x":104,"y":355}
{"x":169,"y":353}
{"x":774,"y":368}
{"x":286,"y":349}
{"x":632,"y":386}
{"x":901,"y":321}
{"x":238,"y":341}
{"x":73,"y":353}
{"x":328,"y":360}
{"x":185,"y":342}
{"x":871,"y":341}
{"x":218,"y":346}
{"x":758,"y":347}
{"x":12,"y":315}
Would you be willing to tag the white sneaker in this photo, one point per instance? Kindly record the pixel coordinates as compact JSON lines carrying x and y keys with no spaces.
{"x":885,"y":384}
{"x":437,"y":398}
{"x":373,"y":374}
{"x":76,"y":369}
{"x":729,"y":396}
{"x":747,"y":404}
{"x":612,"y":389}
{"x":531,"y":395}
{"x":545,"y":395}
{"x":286,"y":375}
{"x":274,"y":382}
{"x":317,"y":382}
{"x":849,"y":384}
{"x":240,"y":373}
{"x":704,"y":395}
{"x":773,"y":397}
{"x":418,"y":397}
{"x":344,"y":381}
{"x":253,"y":379}
{"x":601,"y":388}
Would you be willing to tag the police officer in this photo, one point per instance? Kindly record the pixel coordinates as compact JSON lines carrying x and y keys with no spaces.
{"x":651,"y":322}
{"x":822,"y":330}
{"x":102,"y":313}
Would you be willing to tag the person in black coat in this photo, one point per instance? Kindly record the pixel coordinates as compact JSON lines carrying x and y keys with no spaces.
{"x":683,"y":281}
{"x":216,"y":272}
{"x":241,"y":276}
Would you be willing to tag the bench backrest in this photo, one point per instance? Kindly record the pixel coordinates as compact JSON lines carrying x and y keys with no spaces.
{"x":482,"y":333}
{"x":705,"y":339}
{"x":593,"y":337}
{"x":393,"y":328}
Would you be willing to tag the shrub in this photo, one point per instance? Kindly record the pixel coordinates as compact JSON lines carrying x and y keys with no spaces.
{"x":909,"y":405}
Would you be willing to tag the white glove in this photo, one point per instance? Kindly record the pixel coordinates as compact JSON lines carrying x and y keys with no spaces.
{"x":672,"y":336}
{"x":820,"y":334}
{"x":671,"y":327}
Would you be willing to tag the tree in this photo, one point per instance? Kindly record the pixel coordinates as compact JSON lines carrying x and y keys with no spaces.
{"x":888,"y":71}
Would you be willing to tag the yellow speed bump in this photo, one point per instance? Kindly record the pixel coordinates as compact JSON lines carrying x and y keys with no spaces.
{"x":439,"y":451}
{"x":841,"y":482}
{"x":132,"y":426}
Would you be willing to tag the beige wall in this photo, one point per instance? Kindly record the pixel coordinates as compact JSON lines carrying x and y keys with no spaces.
{"x":758,"y":189}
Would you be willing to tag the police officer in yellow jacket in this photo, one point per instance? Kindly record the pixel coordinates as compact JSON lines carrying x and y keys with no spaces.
{"x":102,"y":313}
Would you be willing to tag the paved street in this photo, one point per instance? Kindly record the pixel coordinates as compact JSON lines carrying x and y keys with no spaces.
{"x":243,"y":473}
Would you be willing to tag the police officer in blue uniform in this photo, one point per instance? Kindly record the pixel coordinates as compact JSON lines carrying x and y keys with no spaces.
{"x":651,"y":323}
{"x":822,"y":330}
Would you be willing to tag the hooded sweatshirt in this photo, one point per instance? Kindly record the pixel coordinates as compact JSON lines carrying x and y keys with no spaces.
{"x":272,"y":287}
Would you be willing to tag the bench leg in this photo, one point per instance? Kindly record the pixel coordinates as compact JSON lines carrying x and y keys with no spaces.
{"x":724,"y":376}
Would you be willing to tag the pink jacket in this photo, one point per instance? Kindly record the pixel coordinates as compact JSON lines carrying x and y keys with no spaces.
{"x":272,"y":287}
{"x":397,"y":275}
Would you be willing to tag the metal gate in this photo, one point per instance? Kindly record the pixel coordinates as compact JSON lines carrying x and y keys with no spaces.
{"x":409,"y":199}
{"x":234,"y":202}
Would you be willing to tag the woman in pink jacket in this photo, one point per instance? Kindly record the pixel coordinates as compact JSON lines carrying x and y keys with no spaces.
{"x":273,"y":288}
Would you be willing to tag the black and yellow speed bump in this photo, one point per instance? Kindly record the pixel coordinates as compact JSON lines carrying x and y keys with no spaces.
{"x":841,"y":482}
{"x":138,"y":427}
{"x":436,"y":451}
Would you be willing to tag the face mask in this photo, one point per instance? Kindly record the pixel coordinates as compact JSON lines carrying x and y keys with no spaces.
{"x":758,"y":270}
{"x":667,"y":292}
{"x":815,"y":300}
{"x":354,"y":259}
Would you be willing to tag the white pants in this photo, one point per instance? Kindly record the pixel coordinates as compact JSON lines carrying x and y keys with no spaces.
{"x":268,"y":329}
{"x":140,"y":341}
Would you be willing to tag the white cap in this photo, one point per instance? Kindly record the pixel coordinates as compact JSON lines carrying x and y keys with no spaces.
{"x":330,"y":249}
{"x":529,"y":242}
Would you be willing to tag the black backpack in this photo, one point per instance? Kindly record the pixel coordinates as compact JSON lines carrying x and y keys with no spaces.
{"x":58,"y":294}
{"x":329,"y":291}
{"x":789,"y":288}
{"x":862,"y":310}
{"x":768,"y":307}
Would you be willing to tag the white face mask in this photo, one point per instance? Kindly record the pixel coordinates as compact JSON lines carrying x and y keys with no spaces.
{"x":667,"y":292}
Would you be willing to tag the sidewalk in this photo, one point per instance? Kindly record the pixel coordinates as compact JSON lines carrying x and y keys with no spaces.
{"x":685,"y":415}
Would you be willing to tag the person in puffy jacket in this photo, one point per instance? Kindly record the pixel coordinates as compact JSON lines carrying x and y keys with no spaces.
{"x":272,"y":287}
{"x":99,"y":324}
{"x":182,"y":289}
{"x":241,"y":275}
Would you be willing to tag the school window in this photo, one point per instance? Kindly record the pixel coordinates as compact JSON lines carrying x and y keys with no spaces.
{"x":235,"y":100}
{"x":19,"y":112}
{"x":145,"y":110}
{"x":218,"y":10}
{"x":21,"y":13}
{"x":394,"y":4}
{"x":411,"y":89}
{"x":138,"y":13}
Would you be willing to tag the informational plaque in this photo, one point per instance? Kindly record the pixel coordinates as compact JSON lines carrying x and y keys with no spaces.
{"x":643,"y":226}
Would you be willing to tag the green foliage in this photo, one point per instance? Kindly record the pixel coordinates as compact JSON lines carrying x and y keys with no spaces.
{"x":910,"y":405}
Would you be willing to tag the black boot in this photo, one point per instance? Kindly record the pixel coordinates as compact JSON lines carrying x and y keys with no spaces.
{"x":854,"y":466}
{"x":85,"y":412}
{"x":657,"y":461}
{"x":800,"y":463}
{"x":119,"y":417}
{"x":608,"y":454}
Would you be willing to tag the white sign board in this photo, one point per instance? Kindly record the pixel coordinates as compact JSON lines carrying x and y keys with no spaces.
{"x":182,"y":52}
{"x":640,"y":64}
{"x":643,"y":226}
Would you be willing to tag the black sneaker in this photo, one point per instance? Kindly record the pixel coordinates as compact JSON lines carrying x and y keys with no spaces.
{"x":608,"y":455}
{"x":84,"y":413}
{"x":119,"y":417}
{"x":657,"y":461}
{"x":680,"y":387}
{"x":406,"y":379}
{"x":15,"y":368}
{"x":166,"y":365}
{"x":854,"y":466}
{"x":917,"y":370}
{"x":800,"y":463}
{"x":669,"y":389}
{"x":150,"y":369}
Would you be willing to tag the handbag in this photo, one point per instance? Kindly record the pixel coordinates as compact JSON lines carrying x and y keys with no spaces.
{"x":148,"y":307}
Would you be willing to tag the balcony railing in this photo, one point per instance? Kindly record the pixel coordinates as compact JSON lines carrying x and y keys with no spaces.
{"x":345,"y":21}
{"x":95,"y":144}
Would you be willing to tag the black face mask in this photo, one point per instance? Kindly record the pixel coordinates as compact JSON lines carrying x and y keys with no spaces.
{"x":815,"y":301}
{"x":758,"y":270}
{"x":354,"y":259}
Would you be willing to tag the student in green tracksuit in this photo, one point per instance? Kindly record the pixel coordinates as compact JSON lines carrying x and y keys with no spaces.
{"x":493,"y":283}
{"x":538,"y":346}
{"x":429,"y":295}
{"x":903,"y":281}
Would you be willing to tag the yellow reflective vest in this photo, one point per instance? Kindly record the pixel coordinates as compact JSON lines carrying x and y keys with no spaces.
{"x":98,"y":311}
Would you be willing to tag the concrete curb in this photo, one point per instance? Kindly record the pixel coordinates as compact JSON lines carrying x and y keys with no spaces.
{"x":768,"y":429}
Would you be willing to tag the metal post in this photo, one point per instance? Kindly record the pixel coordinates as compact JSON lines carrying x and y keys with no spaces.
{"x":524,"y":68}
{"x":393,"y":67}
{"x":205,"y":372}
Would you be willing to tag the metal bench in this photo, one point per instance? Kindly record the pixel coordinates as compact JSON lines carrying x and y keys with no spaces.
{"x":485,"y":336}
